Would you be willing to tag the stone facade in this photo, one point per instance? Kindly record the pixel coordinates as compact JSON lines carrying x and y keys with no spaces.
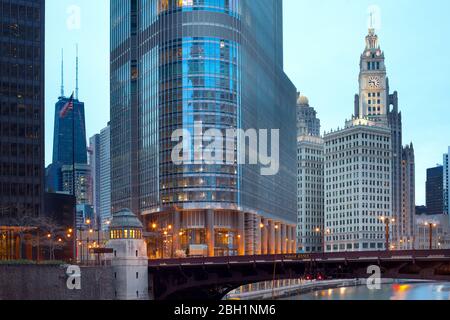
{"x":49,"y":282}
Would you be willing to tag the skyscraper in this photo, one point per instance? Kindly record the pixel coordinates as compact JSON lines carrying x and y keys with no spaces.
{"x":307,"y":121}
{"x":407,"y":223}
{"x":100,"y":165}
{"x":94,"y":165}
{"x":21,"y":116}
{"x":22,"y":107}
{"x":446,"y":189}
{"x":105,"y":177}
{"x":368,"y":191}
{"x":69,"y":146}
{"x":173,"y":64}
{"x":357,"y":186}
{"x":310,"y":184}
{"x":434,"y":190}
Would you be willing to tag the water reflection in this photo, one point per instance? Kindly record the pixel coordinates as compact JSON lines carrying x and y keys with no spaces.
{"x":417,"y":291}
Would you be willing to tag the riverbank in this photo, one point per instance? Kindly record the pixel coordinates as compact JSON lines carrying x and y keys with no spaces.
{"x":305,"y":287}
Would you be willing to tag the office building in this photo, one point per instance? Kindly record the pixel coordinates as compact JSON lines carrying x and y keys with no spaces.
{"x":406,"y":223}
{"x":310,"y":184}
{"x":22,"y":56}
{"x":435,"y":190}
{"x":357,"y":186}
{"x":69,"y":148}
{"x":355,"y":202}
{"x":100,"y":182}
{"x":105,"y":178}
{"x":446,"y":189}
{"x":94,"y":167}
{"x":307,"y":121}
{"x":177,"y":63}
{"x":436,"y":225}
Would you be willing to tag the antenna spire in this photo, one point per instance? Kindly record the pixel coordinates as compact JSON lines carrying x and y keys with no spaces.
{"x":76,"y":80}
{"x":62,"y":72}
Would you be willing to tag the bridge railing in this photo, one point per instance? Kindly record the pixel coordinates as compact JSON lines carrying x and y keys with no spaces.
{"x":411,"y":254}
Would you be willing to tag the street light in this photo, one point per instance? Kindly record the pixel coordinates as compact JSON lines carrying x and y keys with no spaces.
{"x":387,"y":221}
{"x":323,"y":233}
{"x":431,"y":225}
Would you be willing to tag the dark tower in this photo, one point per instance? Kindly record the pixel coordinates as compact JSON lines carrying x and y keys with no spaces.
{"x":22,"y":107}
{"x":67,"y":128}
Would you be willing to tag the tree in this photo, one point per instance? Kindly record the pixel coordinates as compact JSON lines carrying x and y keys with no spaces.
{"x":48,"y":233}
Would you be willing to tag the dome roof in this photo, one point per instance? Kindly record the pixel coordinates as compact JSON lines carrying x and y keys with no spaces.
{"x":125,"y":219}
{"x":302,"y":100}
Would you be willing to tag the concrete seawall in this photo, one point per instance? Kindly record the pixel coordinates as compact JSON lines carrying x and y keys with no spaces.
{"x":49,"y":282}
{"x":307,"y":286}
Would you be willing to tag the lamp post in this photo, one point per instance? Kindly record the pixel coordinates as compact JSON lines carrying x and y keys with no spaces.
{"x":387,"y":221}
{"x":431,"y":226}
{"x":323,"y":233}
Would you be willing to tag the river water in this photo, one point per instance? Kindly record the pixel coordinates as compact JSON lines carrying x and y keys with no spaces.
{"x":413,"y":291}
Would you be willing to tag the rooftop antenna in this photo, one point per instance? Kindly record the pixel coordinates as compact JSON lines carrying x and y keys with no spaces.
{"x":62,"y":72}
{"x":76,"y":87}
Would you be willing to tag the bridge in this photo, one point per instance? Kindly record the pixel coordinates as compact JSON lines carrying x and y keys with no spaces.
{"x":213,"y":278}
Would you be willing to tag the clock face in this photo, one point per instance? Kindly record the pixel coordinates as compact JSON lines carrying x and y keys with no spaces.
{"x":374,"y":82}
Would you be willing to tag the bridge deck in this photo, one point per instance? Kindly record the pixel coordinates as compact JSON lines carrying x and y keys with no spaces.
{"x":324,"y":257}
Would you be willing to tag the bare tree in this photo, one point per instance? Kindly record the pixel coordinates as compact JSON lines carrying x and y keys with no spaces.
{"x":48,"y":233}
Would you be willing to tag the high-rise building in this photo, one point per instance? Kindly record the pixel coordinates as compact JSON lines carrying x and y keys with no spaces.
{"x":177,"y":63}
{"x":434,"y":190}
{"x":307,"y":121}
{"x":22,"y":107}
{"x":105,"y":177}
{"x":372,"y":112}
{"x":357,"y":186}
{"x":406,"y":223}
{"x":94,"y":165}
{"x":69,"y":148}
{"x":22,"y":51}
{"x":446,"y":189}
{"x":100,"y":182}
{"x":310,"y":184}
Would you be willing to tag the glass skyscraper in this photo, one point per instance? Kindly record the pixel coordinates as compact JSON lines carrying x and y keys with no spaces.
{"x":219,"y":62}
{"x":59,"y":172}
{"x":22,"y":50}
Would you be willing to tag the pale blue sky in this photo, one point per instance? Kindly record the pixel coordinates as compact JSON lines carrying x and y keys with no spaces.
{"x":323,"y":42}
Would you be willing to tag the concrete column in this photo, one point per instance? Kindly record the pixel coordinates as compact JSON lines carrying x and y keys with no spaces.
{"x":264,"y":237}
{"x":210,"y":239}
{"x":288,"y":237}
{"x":241,"y":233}
{"x":176,"y":231}
{"x":278,"y":238}
{"x":284,"y":243}
{"x":271,"y":242}
{"x":292,"y":237}
{"x":258,"y":239}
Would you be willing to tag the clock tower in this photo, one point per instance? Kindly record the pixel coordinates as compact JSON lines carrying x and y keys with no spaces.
{"x":372,"y":101}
